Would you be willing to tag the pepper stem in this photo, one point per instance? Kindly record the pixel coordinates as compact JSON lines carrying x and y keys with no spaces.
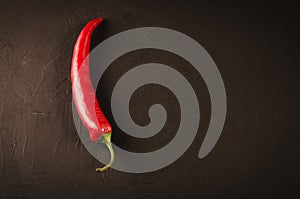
{"x":105,"y":139}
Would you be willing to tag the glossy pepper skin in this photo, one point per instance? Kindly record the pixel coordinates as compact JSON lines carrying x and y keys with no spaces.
{"x":84,"y":95}
{"x":83,"y":92}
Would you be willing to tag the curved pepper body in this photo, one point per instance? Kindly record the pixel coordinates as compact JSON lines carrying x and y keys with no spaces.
{"x":84,"y":96}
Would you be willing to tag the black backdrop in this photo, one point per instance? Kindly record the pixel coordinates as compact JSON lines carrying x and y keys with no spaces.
{"x":255,"y":47}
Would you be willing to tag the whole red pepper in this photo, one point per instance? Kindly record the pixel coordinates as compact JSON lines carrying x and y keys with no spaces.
{"x":83,"y":92}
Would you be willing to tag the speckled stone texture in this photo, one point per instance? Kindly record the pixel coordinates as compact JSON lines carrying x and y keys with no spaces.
{"x":255,"y":47}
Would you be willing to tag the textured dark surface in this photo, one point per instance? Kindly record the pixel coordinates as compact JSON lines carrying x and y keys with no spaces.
{"x":255,"y":47}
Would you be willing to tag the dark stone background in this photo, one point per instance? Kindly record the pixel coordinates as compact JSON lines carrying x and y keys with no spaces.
{"x":254,"y":45}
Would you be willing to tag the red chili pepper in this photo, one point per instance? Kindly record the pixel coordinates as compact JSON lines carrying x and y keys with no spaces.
{"x":83,"y":92}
